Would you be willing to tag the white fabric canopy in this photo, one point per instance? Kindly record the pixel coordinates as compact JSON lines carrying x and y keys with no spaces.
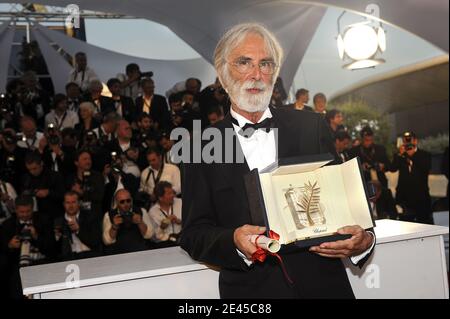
{"x":107,"y":63}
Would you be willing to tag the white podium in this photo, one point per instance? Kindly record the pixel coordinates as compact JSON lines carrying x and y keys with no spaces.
{"x":408,"y":262}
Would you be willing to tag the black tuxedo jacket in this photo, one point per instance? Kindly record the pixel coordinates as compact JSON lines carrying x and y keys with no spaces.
{"x":106,"y":103}
{"x":159,"y":110}
{"x":215,"y":204}
{"x":128,"y":108}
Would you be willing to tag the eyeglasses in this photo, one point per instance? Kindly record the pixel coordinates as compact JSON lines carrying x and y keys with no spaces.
{"x":123,"y":201}
{"x":245,"y":66}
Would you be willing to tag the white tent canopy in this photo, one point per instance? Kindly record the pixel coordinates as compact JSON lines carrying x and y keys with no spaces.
{"x":202,"y":22}
{"x":108,"y":63}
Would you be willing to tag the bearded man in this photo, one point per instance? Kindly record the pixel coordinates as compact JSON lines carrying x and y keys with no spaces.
{"x":216,"y":217}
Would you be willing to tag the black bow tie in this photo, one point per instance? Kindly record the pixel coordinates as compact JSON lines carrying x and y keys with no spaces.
{"x":250,"y":128}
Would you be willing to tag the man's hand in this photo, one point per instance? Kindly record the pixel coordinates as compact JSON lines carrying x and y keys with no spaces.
{"x":33,"y":231}
{"x":356,"y":245}
{"x":42,"y":193}
{"x":117,"y":220}
{"x":73,"y":225}
{"x":77,"y":188}
{"x":14,"y":243}
{"x":137,"y":219}
{"x":42,"y":144}
{"x":241,"y":240}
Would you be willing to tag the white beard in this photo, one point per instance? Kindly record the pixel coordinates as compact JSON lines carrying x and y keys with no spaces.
{"x":250,"y":102}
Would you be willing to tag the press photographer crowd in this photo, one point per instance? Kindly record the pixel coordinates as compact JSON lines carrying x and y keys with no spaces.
{"x":85,"y":175}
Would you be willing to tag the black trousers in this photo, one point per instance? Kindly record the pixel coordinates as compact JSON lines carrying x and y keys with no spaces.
{"x":419,"y":212}
{"x":313,"y":276}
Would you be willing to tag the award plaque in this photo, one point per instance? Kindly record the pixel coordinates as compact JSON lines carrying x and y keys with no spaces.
{"x":306,"y":202}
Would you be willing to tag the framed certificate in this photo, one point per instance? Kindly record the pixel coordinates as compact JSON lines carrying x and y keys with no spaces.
{"x":306,"y":202}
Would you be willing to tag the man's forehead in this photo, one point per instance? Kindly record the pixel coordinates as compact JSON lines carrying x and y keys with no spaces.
{"x":252,"y":47}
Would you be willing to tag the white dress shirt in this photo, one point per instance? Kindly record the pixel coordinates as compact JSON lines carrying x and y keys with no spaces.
{"x":31,"y":143}
{"x":133,"y":90}
{"x":107,"y":240}
{"x":260,"y":150}
{"x":157,"y":215}
{"x":170,"y":173}
{"x":82,"y":78}
{"x":68,"y":119}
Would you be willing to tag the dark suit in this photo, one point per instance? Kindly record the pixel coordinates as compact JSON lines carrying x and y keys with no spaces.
{"x":106,"y":103}
{"x":89,"y":234}
{"x":413,"y":193}
{"x":159,"y":110}
{"x":128,"y":108}
{"x":305,"y":108}
{"x":215,"y":204}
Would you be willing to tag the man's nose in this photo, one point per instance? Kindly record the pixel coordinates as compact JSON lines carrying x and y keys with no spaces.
{"x":256,"y":74}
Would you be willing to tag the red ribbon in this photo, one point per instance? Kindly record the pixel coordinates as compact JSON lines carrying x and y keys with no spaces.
{"x":261,"y":254}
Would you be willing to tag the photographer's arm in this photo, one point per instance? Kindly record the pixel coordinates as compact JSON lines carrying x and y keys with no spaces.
{"x":109,"y":233}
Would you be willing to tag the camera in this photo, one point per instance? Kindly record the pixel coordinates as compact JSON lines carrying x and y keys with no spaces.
{"x":5,"y":105}
{"x":90,"y":137}
{"x":53,"y":138}
{"x":25,"y":245}
{"x":116,"y":164}
{"x":408,"y":141}
{"x":25,"y":232}
{"x":148,"y":74}
{"x":8,"y":170}
{"x":9,"y":137}
{"x":126,"y":215}
{"x":86,"y":182}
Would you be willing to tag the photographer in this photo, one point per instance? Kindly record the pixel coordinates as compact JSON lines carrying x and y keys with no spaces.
{"x":117,"y":178}
{"x":131,"y":81}
{"x":73,"y":93}
{"x":144,"y":137}
{"x":414,"y":167}
{"x":60,"y":116}
{"x":125,"y":229}
{"x":29,"y":137}
{"x":123,"y":105}
{"x":26,"y":239}
{"x":102,"y":104}
{"x":159,"y":171}
{"x":106,"y":132}
{"x":212,"y":96}
{"x":82,"y":74}
{"x":88,"y":183}
{"x":153,"y":104}
{"x":7,"y":196}
{"x":33,"y":101}
{"x":166,"y":215}
{"x":12,"y":165}
{"x":78,"y":235}
{"x":44,"y":185}
{"x":7,"y":111}
{"x":87,"y":121}
{"x":375,"y":163}
{"x":59,"y":150}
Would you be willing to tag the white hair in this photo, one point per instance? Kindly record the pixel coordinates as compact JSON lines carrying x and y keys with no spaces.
{"x":88,"y":106}
{"x":232,"y":38}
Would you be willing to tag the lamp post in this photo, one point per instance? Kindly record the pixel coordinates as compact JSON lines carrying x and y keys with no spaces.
{"x":360,"y":44}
